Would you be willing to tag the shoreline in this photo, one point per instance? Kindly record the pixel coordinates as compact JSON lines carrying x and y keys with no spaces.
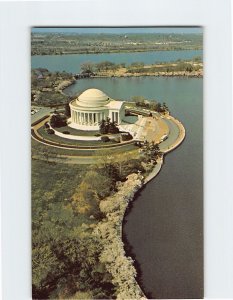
{"x":116,"y":52}
{"x":184,"y":73}
{"x":181,"y":74}
{"x":119,"y":262}
{"x":114,"y":220}
{"x":66,"y":83}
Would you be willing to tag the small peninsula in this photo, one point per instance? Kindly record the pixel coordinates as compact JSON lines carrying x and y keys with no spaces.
{"x":123,"y":155}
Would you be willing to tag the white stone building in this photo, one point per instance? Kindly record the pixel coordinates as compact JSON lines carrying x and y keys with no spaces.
{"x":93,"y":106}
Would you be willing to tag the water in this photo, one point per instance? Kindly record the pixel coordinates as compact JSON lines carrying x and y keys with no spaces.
{"x":164,"y":224}
{"x":71,"y":63}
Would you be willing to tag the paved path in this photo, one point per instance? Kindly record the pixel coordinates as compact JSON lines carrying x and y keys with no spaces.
{"x":155,"y":171}
{"x":175,"y":137}
{"x":43,"y":111}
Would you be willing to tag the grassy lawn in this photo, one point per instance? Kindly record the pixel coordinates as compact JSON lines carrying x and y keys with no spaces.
{"x":58,"y":179}
{"x":77,"y":132}
{"x":52,"y":185}
{"x":39,"y":148}
{"x":58,"y":139}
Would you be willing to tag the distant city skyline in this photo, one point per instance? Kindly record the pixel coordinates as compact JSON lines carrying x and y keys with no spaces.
{"x":118,"y":30}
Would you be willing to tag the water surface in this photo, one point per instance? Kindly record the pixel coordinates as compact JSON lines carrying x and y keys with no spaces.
{"x":72,"y":62}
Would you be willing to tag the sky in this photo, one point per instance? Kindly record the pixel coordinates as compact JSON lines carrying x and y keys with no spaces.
{"x":120,"y":30}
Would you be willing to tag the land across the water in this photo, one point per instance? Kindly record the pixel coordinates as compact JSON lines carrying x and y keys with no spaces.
{"x":65,"y":43}
{"x":166,"y":70}
{"x":47,"y":87}
{"x":191,"y":68}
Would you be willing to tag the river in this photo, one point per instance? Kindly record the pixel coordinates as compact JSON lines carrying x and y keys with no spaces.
{"x":164,"y":226}
{"x":72,"y":62}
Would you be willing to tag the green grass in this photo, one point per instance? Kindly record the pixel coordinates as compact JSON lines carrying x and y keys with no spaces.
{"x":58,"y":139}
{"x":77,"y":132}
{"x":39,"y":148}
{"x":57,"y":179}
{"x":54,"y":184}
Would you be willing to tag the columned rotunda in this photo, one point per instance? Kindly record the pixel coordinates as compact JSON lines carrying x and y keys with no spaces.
{"x":93,"y":106}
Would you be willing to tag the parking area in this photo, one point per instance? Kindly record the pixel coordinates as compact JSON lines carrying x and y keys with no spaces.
{"x":39,"y":112}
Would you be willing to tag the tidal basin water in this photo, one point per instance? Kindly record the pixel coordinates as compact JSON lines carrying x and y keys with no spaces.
{"x":72,"y":62}
{"x":164,"y":225}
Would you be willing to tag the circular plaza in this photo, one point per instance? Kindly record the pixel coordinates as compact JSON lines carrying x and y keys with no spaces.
{"x":96,"y":122}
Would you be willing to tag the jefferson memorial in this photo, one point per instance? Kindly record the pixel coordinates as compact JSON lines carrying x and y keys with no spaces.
{"x":93,"y":106}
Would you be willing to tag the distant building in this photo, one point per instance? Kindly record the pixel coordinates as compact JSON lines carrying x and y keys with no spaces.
{"x":93,"y":106}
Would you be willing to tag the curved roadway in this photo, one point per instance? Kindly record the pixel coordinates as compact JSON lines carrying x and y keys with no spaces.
{"x":175,"y":137}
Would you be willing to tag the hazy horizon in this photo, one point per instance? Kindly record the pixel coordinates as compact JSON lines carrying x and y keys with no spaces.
{"x":118,"y":30}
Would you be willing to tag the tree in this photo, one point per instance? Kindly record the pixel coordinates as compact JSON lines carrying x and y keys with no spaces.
{"x":103,"y":128}
{"x":106,"y":165}
{"x":65,"y":253}
{"x":158,"y":107}
{"x":189,"y":68}
{"x":105,"y":66}
{"x":100,"y":184}
{"x":91,"y":190}
{"x":106,"y":126}
{"x":137,"y":65}
{"x":87,"y":67}
{"x":165,"y":107}
{"x":139,"y":100}
{"x":108,"y":120}
{"x":84,"y":200}
{"x":83,"y":295}
{"x":113,"y":128}
{"x":151,"y":151}
{"x":67,"y":110}
{"x":126,"y":137}
{"x":43,"y":261}
{"x":57,"y":120}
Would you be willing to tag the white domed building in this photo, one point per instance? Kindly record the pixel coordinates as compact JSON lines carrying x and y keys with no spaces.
{"x":93,"y":106}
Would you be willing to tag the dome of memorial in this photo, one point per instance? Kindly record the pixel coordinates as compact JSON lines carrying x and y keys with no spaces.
{"x":92,"y":98}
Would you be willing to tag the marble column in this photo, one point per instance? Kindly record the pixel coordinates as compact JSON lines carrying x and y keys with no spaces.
{"x":91,"y":119}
